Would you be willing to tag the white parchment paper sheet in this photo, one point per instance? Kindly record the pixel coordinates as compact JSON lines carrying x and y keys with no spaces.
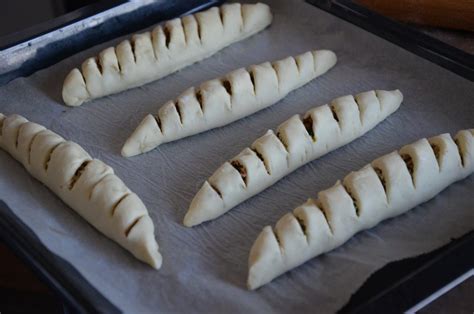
{"x":205,"y":267}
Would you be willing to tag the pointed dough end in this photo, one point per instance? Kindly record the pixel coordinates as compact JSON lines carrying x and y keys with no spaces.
{"x":389,"y":100}
{"x":142,"y":243}
{"x":265,"y":260}
{"x":146,"y":137}
{"x":206,"y":205}
{"x":74,"y":89}
{"x":325,"y":60}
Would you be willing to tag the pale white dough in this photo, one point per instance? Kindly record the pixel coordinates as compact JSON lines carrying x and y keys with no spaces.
{"x":87,"y":185}
{"x":389,"y":186}
{"x":223,"y":100}
{"x":297,"y":141}
{"x":167,"y":48}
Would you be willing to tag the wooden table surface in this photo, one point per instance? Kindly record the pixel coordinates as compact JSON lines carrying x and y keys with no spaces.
{"x":21,"y":291}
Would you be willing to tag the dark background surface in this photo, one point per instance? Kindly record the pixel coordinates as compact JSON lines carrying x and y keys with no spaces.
{"x":18,"y":15}
{"x":20,"y":289}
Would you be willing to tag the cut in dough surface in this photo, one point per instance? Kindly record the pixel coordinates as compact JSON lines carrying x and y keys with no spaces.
{"x":389,"y":186}
{"x":87,"y":185}
{"x":223,"y":100}
{"x":297,"y":141}
{"x":167,"y":48}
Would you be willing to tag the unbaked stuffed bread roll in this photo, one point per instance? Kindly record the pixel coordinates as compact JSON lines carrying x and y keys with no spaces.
{"x":167,"y":48}
{"x":223,"y":100}
{"x":389,"y":186}
{"x":87,"y":185}
{"x":297,"y":141}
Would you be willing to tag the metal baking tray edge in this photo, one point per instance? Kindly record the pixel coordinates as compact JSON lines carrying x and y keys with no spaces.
{"x":80,"y":296}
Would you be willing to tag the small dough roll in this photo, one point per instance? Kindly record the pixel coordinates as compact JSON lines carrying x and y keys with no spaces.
{"x":87,"y":185}
{"x":224,"y":100}
{"x":296,"y":142}
{"x":387,"y":187}
{"x":167,"y":48}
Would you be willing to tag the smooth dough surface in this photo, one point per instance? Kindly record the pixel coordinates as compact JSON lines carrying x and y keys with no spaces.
{"x":296,"y":142}
{"x":167,"y":48}
{"x":223,"y":100}
{"x":87,"y":185}
{"x":387,"y":187}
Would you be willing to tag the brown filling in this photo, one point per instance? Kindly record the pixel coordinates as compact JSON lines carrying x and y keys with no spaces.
{"x":241,"y":169}
{"x":178,"y":110}
{"x":199,"y":100}
{"x":167,"y":34}
{"x":379,"y":173}
{"x":158,"y":121}
{"x":459,"y":151}
{"x":78,"y":174}
{"x":354,"y":201}
{"x":409,"y":163}
{"x":308,"y":125}
{"x":252,"y":80}
{"x":227,"y":87}
{"x":334,"y":113}
{"x":99,"y":65}
{"x":301,"y":223}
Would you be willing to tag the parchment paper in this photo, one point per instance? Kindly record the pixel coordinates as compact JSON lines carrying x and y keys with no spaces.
{"x":205,"y":268}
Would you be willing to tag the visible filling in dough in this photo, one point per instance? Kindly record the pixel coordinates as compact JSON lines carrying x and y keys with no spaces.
{"x":99,"y":65}
{"x":252,"y":80}
{"x":241,"y":169}
{"x":46,"y":163}
{"x":158,"y":121}
{"x":319,"y":204}
{"x":358,"y":108}
{"x":409,"y":163}
{"x":260,"y":156}
{"x":436,"y":151}
{"x":198,"y":26}
{"x":302,"y":224}
{"x":282,"y":141}
{"x":277,"y":238}
{"x":199,"y":100}
{"x":334,"y":113}
{"x":227,"y":86}
{"x":167,"y":34}
{"x":180,"y":114}
{"x":354,"y":201}
{"x":221,"y":15}
{"x":78,"y":174}
{"x":308,"y":124}
{"x":216,"y":189}
{"x":276,"y":72}
{"x":459,"y":151}
{"x":379,"y":173}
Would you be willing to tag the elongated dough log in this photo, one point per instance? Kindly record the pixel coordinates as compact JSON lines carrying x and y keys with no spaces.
{"x":297,"y":141}
{"x":167,"y":48}
{"x":389,"y":186}
{"x":87,"y":185}
{"x":223,"y":100}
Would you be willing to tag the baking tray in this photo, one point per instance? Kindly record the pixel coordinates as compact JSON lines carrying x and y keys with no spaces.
{"x":80,"y":295}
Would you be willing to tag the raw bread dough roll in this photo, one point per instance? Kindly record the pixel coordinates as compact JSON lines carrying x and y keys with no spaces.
{"x":297,"y":141}
{"x":223,"y":100}
{"x":87,"y":185}
{"x":389,"y":186}
{"x":167,"y":48}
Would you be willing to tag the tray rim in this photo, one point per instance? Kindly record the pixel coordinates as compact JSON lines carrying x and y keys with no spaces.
{"x":82,"y":297}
